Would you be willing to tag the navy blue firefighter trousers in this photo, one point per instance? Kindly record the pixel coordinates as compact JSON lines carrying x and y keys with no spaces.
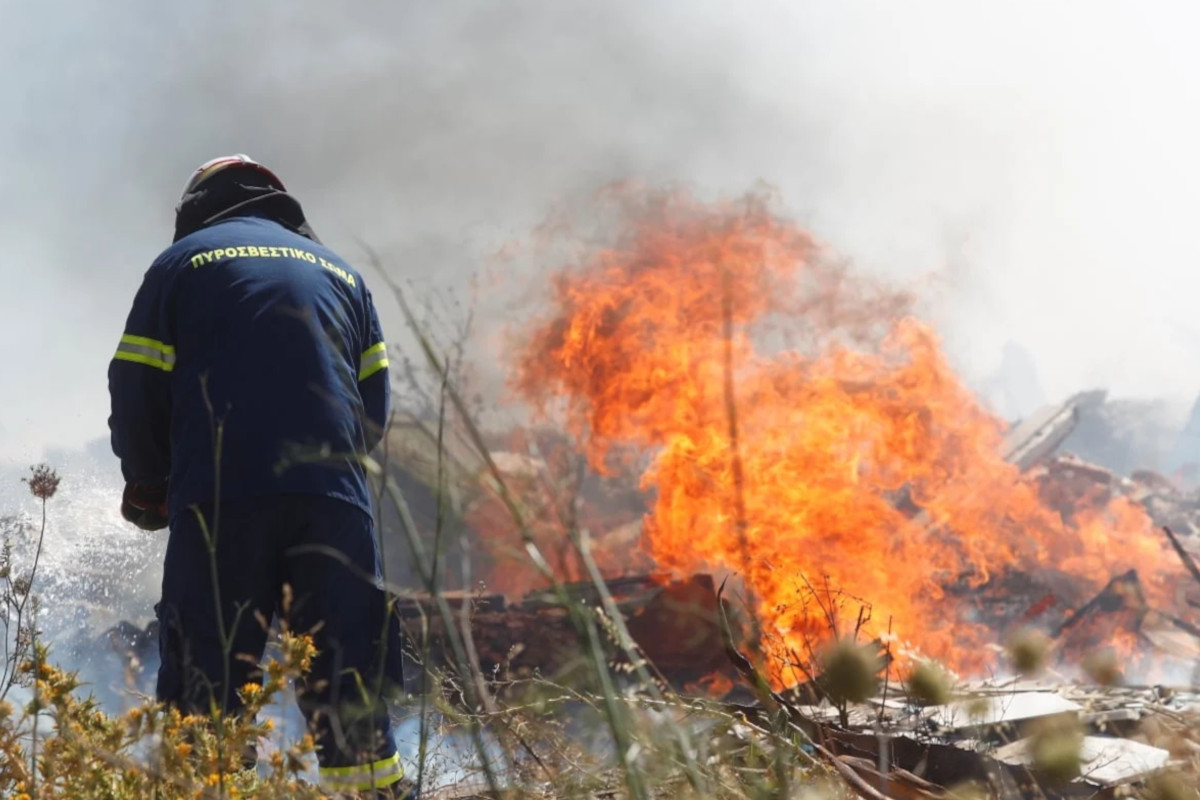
{"x":324,"y":549}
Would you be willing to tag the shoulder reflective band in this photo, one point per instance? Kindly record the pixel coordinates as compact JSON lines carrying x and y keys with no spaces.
{"x":368,"y":776}
{"x":372,"y":360}
{"x":142,"y":350}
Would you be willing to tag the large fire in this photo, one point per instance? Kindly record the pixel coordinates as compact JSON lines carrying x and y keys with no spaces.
{"x":806,"y":432}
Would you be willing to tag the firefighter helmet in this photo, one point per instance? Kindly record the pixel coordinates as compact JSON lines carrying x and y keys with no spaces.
{"x":212,"y":167}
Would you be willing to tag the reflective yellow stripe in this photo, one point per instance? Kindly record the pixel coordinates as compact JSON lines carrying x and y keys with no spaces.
{"x":144,"y":350}
{"x":138,"y":358}
{"x":146,"y":341}
{"x":376,"y":775}
{"x":372,"y":360}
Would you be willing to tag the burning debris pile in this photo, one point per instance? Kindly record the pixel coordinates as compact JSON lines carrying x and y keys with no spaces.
{"x":804,"y":430}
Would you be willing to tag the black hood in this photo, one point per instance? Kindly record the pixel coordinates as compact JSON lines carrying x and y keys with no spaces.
{"x":233,"y":191}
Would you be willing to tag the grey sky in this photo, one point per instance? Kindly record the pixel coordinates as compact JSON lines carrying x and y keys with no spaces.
{"x":1039,"y":158}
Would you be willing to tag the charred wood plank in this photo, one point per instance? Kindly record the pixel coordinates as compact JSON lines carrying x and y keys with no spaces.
{"x":1183,"y":554}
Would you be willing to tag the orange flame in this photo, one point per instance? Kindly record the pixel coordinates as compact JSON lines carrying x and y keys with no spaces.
{"x":805,"y":430}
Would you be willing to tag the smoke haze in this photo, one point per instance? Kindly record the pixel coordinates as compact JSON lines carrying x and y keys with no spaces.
{"x":1038,"y":160}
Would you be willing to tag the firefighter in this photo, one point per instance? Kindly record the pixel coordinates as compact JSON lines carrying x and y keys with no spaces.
{"x":251,"y":379}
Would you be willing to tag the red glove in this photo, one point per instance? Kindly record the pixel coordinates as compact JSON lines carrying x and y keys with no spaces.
{"x":145,"y":506}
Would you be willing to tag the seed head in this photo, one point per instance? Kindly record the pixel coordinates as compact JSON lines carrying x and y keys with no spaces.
{"x":850,"y":672}
{"x":930,"y":684}
{"x":43,"y":483}
{"x":1028,"y":651}
{"x":1056,"y":748}
{"x":1169,"y":787}
{"x":1103,"y":667}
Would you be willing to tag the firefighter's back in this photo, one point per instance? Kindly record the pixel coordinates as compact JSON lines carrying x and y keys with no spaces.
{"x":269,"y":328}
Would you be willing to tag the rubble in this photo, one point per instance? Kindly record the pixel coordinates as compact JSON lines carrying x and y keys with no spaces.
{"x":1065,"y":479}
{"x":1104,"y":761}
{"x":1119,"y":444}
{"x":1119,"y":610}
{"x":1040,"y":434}
{"x":989,"y":710}
{"x":674,"y":623}
{"x":986,"y":736}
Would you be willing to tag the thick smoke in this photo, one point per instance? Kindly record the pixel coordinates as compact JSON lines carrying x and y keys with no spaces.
{"x":1038,"y":159}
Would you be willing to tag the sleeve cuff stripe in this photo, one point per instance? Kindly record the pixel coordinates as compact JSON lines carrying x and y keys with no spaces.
{"x":150,"y":352}
{"x":373,"y":359}
{"x":146,"y":341}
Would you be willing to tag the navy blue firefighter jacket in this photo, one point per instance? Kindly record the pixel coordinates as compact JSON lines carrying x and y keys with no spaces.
{"x":247,"y":335}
